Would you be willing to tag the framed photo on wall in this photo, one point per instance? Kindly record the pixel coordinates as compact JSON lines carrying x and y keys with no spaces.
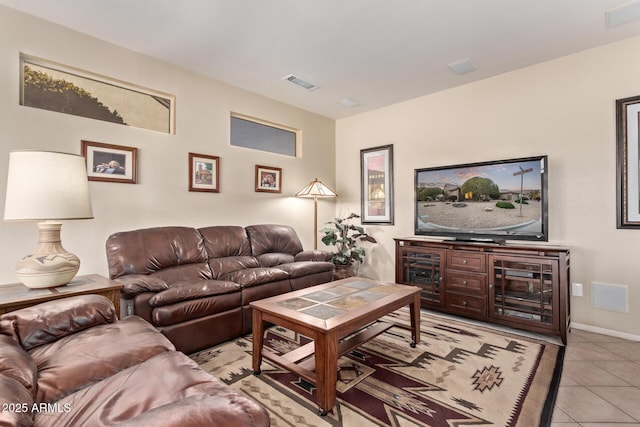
{"x":204,"y":173}
{"x":628,"y":162}
{"x":110,"y":163}
{"x":376,"y":169}
{"x":268,"y":179}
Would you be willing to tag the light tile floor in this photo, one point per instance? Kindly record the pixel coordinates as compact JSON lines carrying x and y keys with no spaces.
{"x":600,"y":383}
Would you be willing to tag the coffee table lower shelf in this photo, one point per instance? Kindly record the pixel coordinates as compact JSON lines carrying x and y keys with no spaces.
{"x":299,"y":361}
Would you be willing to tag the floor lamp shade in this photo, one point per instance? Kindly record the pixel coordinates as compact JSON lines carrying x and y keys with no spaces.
{"x":314,"y":190}
{"x":47,"y":186}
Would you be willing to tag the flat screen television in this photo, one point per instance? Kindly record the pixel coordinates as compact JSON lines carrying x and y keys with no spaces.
{"x":489,"y":201}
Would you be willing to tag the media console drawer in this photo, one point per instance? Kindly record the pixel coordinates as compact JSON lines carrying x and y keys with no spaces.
{"x":467,"y":304}
{"x":467,"y":282}
{"x":466,"y":261}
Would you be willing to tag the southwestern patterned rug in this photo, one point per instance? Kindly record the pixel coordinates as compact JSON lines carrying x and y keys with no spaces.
{"x":459,"y":375}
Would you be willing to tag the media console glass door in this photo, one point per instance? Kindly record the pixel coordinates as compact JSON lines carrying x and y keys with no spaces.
{"x":424,"y":268}
{"x":523,"y":289}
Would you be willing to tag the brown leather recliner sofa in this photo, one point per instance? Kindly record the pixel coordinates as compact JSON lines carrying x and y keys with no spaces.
{"x":195,"y":284}
{"x":70,"y":362}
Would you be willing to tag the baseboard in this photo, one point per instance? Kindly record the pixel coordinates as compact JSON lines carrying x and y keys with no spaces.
{"x":603,"y":331}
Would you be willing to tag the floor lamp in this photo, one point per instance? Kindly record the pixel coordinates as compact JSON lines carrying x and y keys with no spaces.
{"x":316,"y":189}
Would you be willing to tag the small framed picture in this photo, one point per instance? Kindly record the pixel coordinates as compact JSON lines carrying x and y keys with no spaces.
{"x":204,"y":173}
{"x":111,"y":163}
{"x":268,"y":179}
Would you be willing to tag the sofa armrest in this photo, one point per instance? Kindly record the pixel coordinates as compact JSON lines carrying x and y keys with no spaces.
{"x":314,"y":255}
{"x":135,"y":284}
{"x":50,"y":321}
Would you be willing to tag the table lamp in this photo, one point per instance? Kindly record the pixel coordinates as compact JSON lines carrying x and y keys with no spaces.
{"x":316,"y":189}
{"x":49,"y":187}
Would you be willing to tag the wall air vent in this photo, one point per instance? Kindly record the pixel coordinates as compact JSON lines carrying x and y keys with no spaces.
{"x":300,"y":82}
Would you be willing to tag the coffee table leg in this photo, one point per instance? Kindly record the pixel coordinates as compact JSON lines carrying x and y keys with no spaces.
{"x":326,"y":355}
{"x":414,"y":311}
{"x":258,"y":340}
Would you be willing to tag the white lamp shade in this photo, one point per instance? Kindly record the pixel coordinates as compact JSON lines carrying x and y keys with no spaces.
{"x":46,"y":185}
{"x":316,"y":189}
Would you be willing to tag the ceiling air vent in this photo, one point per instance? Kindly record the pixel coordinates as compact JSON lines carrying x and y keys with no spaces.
{"x":300,"y":82}
{"x":623,"y":14}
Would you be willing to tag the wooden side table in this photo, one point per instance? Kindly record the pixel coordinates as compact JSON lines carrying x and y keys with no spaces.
{"x":16,"y":296}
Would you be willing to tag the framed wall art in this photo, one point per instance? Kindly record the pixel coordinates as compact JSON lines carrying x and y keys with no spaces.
{"x":268,"y":179}
{"x":628,"y":162}
{"x":111,"y":163}
{"x":204,"y":173}
{"x":55,"y":87}
{"x":376,"y":169}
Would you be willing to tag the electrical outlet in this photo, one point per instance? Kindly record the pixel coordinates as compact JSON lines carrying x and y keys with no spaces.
{"x":577,"y":289}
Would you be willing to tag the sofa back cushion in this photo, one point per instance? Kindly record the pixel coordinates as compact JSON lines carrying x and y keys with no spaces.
{"x":225,"y":241}
{"x":266,"y":238}
{"x":146,"y":251}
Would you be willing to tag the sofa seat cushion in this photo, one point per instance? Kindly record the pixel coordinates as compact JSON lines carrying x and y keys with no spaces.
{"x":16,"y":363}
{"x":272,"y":259}
{"x":225,"y":265}
{"x":166,"y":390}
{"x":182,"y":273}
{"x":89,"y":356}
{"x":304,"y":268}
{"x":49,"y":321}
{"x":256,"y":276}
{"x":314,"y":255}
{"x":254,"y":293}
{"x":184,"y":291}
{"x":184,"y":311}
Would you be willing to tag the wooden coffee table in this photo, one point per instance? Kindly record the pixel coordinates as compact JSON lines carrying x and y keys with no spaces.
{"x":334,"y":316}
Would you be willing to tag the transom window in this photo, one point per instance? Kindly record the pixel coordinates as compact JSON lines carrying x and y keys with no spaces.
{"x":261,"y":135}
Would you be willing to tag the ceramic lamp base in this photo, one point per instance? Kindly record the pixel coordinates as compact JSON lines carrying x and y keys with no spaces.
{"x":50,"y":265}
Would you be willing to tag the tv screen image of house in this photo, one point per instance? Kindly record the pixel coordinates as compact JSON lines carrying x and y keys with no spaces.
{"x":495,"y":200}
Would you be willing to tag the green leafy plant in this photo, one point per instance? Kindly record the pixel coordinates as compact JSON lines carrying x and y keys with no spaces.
{"x":505,"y":205}
{"x":346,"y":237}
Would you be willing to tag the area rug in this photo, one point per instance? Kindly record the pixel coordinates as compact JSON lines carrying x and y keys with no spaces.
{"x":459,"y":375}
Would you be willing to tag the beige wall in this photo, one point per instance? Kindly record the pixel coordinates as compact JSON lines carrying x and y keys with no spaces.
{"x":563,"y":108}
{"x":161,"y":196}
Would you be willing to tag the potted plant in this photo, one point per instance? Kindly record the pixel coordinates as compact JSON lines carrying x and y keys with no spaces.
{"x":346,"y":237}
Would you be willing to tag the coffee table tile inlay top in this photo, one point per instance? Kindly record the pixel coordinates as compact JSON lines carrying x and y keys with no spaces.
{"x":338,"y":316}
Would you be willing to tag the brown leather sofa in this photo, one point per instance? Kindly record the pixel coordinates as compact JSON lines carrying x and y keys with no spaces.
{"x":195,"y":285}
{"x":70,"y":362}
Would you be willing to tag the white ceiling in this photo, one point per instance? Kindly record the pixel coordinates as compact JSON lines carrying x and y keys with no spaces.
{"x":376,"y":52}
